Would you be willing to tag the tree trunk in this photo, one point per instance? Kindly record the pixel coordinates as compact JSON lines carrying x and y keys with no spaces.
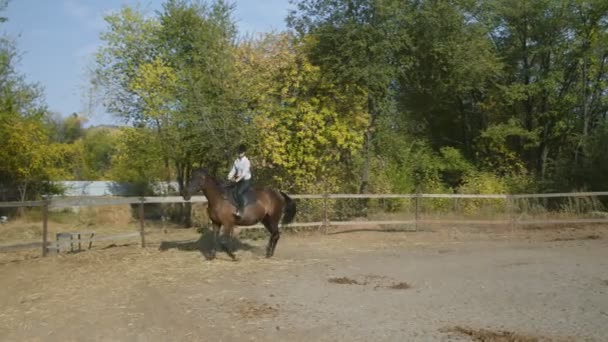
{"x":22,"y":196}
{"x":367,"y":146}
{"x":544,"y":155}
{"x":585,"y":113}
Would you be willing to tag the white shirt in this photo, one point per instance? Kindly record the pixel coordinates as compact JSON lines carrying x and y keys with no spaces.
{"x":241,"y":166}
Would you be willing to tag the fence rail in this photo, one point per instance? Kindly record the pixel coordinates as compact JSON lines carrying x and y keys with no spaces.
{"x":512,"y":218}
{"x":86,"y":201}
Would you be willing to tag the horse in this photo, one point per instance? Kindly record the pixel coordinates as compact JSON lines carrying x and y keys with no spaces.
{"x":261,"y":204}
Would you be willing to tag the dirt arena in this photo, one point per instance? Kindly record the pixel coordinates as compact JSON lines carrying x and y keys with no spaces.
{"x":443,"y":284}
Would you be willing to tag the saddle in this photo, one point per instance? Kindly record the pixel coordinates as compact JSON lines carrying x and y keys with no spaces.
{"x":229,"y":194}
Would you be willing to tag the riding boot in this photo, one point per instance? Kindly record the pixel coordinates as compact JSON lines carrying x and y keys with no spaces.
{"x":239,"y":210}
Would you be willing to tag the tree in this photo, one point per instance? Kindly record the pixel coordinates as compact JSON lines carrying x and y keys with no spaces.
{"x":172,"y":74}
{"x":136,"y":159}
{"x":448,"y":69}
{"x":197,"y":41}
{"x":310,"y":125}
{"x":555,"y":54}
{"x":99,"y":147}
{"x":354,"y":43}
{"x":29,"y":158}
{"x":130,"y":41}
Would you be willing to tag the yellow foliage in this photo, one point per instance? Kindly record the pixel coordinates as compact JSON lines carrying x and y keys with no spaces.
{"x":308,"y":124}
{"x":136,"y":158}
{"x":155,"y":84}
{"x":483,"y":183}
{"x":27,"y":154}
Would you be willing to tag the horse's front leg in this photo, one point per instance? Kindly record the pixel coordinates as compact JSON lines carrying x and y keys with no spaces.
{"x":216,"y":233}
{"x":225,"y":241}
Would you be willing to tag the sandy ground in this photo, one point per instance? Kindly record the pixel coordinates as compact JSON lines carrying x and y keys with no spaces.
{"x":442,"y":285}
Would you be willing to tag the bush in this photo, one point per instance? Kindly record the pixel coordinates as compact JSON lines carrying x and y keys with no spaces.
{"x":483,"y":183}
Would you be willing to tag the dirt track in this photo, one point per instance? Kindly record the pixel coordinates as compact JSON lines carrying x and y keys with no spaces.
{"x":357,"y":286}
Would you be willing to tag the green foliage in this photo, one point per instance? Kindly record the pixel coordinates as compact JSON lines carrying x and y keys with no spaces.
{"x":448,"y":67}
{"x":135,"y":160}
{"x":483,"y":183}
{"x":99,"y":146}
{"x":309,"y":124}
{"x":71,"y":129}
{"x":497,"y":147}
{"x":174,"y":75}
{"x":29,"y":159}
{"x":362,"y":95}
{"x":130,"y":41}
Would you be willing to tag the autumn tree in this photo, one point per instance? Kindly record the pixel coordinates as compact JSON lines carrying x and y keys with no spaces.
{"x":353,"y":44}
{"x":29,"y":158}
{"x":172,"y":74}
{"x":310,"y":124}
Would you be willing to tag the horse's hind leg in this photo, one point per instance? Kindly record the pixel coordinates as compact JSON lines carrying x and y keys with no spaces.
{"x":274,"y":238}
{"x":273,"y":229}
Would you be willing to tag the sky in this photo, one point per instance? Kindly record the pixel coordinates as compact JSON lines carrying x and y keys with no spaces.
{"x":57,"y":40}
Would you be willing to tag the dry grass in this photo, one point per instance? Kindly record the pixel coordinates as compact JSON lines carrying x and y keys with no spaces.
{"x":102,"y":220}
{"x":20,"y":231}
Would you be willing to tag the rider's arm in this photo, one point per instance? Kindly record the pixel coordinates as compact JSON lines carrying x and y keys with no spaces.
{"x":232,"y":171}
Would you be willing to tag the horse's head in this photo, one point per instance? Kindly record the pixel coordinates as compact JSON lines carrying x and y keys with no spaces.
{"x":197,"y":182}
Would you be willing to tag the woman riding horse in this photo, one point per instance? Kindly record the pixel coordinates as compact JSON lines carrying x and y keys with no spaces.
{"x":240,"y":173}
{"x":268,"y":206}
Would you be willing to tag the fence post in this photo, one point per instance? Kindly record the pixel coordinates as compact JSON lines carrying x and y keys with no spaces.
{"x":417,"y":213}
{"x":45,"y":225}
{"x":511,"y":212}
{"x":325,"y":213}
{"x":141,"y":223}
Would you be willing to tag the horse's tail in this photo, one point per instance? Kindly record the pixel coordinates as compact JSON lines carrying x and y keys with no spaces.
{"x":289,"y":212}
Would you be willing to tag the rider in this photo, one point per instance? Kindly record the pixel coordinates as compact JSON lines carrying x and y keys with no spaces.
{"x":240,"y":173}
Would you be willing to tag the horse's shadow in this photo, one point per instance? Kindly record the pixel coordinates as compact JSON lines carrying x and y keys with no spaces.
{"x":205,"y":245}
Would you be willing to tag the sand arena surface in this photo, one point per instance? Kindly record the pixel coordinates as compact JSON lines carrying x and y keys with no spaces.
{"x":444,"y":285}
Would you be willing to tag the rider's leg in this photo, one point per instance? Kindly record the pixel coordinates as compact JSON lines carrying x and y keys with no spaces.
{"x":242,"y":187}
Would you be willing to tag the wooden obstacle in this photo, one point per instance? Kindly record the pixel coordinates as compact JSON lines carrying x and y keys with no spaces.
{"x":73,"y":239}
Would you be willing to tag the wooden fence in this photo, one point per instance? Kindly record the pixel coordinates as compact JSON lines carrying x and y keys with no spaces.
{"x":62,"y":202}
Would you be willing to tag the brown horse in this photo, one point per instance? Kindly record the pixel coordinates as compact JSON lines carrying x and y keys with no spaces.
{"x":261,"y":205}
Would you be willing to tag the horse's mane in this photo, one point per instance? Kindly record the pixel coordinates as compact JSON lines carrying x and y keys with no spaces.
{"x":220,"y":184}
